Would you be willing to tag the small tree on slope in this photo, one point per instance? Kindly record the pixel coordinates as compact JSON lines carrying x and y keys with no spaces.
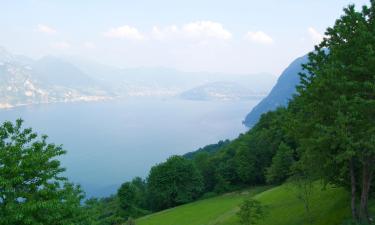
{"x":251,"y":211}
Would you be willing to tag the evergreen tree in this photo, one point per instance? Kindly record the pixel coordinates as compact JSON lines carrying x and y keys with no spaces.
{"x":336,"y":105}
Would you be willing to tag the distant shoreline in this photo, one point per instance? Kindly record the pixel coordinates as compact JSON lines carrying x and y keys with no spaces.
{"x":7,"y":106}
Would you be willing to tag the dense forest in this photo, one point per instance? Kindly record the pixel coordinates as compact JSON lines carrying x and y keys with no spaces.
{"x":326,"y":133}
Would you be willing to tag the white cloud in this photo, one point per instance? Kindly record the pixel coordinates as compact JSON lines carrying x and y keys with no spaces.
{"x":62,"y":45}
{"x":206,"y":29}
{"x":46,"y":29}
{"x":315,"y":36}
{"x":259,"y":37}
{"x":89,"y":45}
{"x":125,"y":32}
{"x":195,"y":30}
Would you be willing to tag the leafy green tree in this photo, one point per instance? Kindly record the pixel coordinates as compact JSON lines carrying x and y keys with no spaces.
{"x":105,"y":211}
{"x":32,"y":190}
{"x":174,"y":182}
{"x":335,"y":107}
{"x":141,"y":193}
{"x":251,"y":212}
{"x":132,"y":198}
{"x":207,"y":167}
{"x":282,"y":162}
{"x":127,"y":195}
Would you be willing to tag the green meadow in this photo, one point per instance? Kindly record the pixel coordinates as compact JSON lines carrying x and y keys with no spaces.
{"x":328,"y":206}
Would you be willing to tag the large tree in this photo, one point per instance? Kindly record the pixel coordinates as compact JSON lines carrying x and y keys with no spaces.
{"x":174,"y":182}
{"x":32,"y":190}
{"x":335,"y":106}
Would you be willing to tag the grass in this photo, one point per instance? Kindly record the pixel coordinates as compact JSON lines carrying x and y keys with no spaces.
{"x":210,"y":211}
{"x":328,"y":207}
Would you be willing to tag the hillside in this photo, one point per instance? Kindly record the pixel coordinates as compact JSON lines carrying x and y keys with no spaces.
{"x":284,"y":208}
{"x":24,"y":81}
{"x":280,"y":94}
{"x":208,"y":149}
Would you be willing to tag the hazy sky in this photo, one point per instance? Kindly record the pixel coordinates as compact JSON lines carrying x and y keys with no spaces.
{"x":242,"y":36}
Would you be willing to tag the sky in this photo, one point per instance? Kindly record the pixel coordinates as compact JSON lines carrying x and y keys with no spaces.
{"x":232,"y":36}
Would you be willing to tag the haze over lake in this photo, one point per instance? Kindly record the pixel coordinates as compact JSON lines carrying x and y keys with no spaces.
{"x":110,"y":142}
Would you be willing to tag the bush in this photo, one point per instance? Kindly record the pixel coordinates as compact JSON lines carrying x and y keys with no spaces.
{"x":251,"y":211}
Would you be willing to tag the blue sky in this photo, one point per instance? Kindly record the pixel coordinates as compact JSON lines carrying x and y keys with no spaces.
{"x":236,"y":36}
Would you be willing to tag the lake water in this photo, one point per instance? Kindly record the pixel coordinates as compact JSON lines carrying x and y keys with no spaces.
{"x":110,"y":142}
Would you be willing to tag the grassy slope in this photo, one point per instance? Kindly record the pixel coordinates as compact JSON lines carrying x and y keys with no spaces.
{"x":329,"y":207}
{"x":210,"y":211}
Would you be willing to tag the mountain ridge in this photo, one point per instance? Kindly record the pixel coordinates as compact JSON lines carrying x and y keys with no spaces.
{"x":280,"y":94}
{"x":52,"y":79}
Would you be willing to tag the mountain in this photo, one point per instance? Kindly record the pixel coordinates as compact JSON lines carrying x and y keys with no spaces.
{"x":143,"y":81}
{"x":220,"y":91}
{"x":25,"y":81}
{"x":280,"y":93}
{"x":54,"y":71}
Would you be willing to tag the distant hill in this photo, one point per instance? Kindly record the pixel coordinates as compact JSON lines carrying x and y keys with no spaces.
{"x":280,"y":93}
{"x":221,"y":91}
{"x":54,"y":71}
{"x":24,"y":81}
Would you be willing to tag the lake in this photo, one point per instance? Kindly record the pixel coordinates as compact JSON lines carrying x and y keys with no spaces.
{"x":110,"y":142}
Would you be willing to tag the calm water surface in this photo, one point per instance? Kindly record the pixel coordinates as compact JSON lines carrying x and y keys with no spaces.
{"x":111,"y":142}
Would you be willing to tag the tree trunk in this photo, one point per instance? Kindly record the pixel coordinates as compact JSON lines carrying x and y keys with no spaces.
{"x":354,"y":190}
{"x":366,"y":184}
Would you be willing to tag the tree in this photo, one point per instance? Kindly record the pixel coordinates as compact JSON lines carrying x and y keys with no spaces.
{"x":335,"y":106}
{"x":255,"y":149}
{"x":251,"y":211}
{"x":32,"y":190}
{"x":132,"y":198}
{"x":105,"y":211}
{"x":282,"y":161}
{"x":206,"y":166}
{"x":174,"y":182}
{"x":127,"y":195}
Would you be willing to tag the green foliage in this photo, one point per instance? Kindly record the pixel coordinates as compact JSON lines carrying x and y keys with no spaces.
{"x":245,"y":160}
{"x":105,"y":211}
{"x":282,"y":162}
{"x":32,"y":190}
{"x":174,"y":182}
{"x":132,"y":198}
{"x":130,"y":202}
{"x":206,"y":166}
{"x":127,"y":195}
{"x":251,"y":212}
{"x":209,"y":149}
{"x":335,"y":109}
